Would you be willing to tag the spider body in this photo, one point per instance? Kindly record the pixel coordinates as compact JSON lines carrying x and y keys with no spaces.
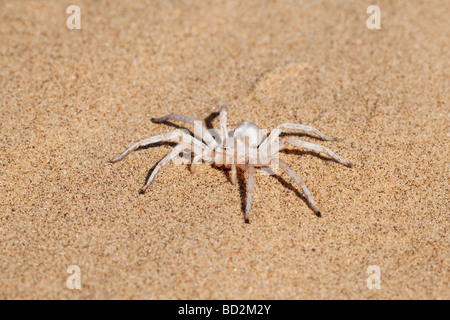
{"x":240,"y":147}
{"x":246,"y":148}
{"x":248,"y":131}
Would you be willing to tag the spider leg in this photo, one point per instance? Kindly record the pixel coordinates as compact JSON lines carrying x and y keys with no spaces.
{"x":206,"y":136}
{"x":250,"y":185}
{"x":173,"y":135}
{"x":299,"y":181}
{"x":172,"y":154}
{"x":302,"y":127}
{"x":200,"y":155}
{"x":223,"y":122}
{"x":277,"y":131}
{"x":197,"y":159}
{"x":233,"y":173}
{"x":309,"y":146}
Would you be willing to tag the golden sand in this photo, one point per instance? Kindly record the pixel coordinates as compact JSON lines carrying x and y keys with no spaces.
{"x":73,"y":99}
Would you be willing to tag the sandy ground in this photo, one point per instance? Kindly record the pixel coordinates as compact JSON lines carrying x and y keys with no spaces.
{"x":73,"y":99}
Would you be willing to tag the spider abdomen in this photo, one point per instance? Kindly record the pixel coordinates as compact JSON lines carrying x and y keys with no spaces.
{"x":249,"y":133}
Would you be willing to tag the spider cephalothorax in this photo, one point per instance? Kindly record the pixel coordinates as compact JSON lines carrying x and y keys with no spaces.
{"x":247,"y":148}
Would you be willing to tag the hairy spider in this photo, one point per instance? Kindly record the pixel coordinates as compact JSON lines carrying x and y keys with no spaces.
{"x":246,"y":148}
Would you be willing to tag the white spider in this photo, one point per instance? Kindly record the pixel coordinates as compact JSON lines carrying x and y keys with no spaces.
{"x":246,"y":148}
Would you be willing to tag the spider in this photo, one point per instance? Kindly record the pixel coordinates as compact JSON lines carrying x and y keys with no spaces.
{"x":247,"y":148}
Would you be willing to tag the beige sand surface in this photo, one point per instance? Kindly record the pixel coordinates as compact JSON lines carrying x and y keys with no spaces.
{"x":73,"y":99}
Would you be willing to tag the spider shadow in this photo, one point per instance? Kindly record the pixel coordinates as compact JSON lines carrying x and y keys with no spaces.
{"x":241,"y":182}
{"x":174,"y":125}
{"x":303,"y":134}
{"x":208,"y":122}
{"x":243,"y":189}
{"x":157,"y":144}
{"x":209,"y":119}
{"x":291,"y":187}
{"x":310,"y":153}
